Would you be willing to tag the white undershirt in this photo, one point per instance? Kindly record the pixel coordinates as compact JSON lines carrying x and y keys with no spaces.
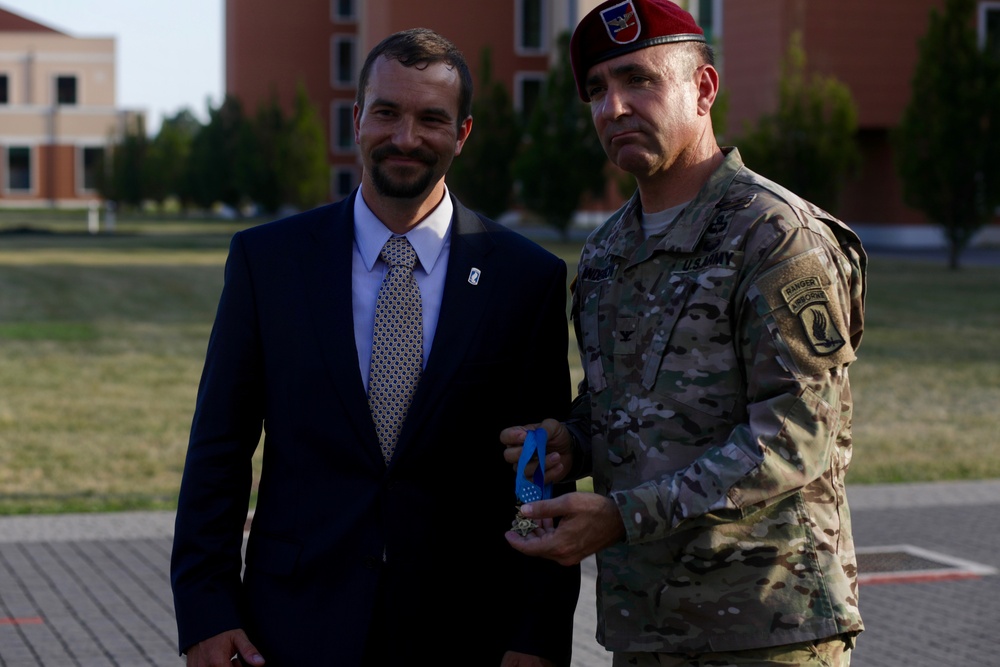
{"x":657,"y":223}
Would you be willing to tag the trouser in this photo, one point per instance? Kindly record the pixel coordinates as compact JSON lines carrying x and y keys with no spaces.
{"x":829,"y":652}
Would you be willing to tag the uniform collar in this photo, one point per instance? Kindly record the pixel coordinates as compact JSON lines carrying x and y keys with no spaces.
{"x":686,"y":232}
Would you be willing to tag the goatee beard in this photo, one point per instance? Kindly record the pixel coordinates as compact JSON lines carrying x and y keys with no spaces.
{"x":386,"y":186}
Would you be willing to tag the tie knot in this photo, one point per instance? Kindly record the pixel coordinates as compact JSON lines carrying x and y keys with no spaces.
{"x":397,"y":251}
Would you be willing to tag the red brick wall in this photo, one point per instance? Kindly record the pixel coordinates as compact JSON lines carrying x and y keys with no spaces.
{"x":869,"y":46}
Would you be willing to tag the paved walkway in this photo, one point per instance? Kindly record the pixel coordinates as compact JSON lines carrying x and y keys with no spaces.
{"x":92,"y":590}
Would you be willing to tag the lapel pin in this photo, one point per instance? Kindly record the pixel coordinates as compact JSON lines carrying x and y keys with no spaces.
{"x":474,"y":276}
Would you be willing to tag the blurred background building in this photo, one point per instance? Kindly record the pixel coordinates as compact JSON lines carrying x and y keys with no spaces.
{"x":871,"y":47}
{"x":57,"y":113}
{"x":272,"y":46}
{"x":58,"y":107}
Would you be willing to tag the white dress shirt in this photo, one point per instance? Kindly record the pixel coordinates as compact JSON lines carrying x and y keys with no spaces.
{"x":431,"y":242}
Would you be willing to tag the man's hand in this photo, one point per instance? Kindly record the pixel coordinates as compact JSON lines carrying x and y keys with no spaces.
{"x":513,"y":659}
{"x":589,"y":522}
{"x":218,"y":651}
{"x":558,"y":449}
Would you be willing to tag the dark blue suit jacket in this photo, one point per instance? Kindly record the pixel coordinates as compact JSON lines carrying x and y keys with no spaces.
{"x":282,"y":357}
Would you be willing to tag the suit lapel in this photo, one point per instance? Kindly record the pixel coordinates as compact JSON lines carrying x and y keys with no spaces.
{"x":329,"y":294}
{"x":463,"y":304}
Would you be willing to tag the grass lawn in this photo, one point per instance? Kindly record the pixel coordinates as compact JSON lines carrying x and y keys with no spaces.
{"x":102,"y":340}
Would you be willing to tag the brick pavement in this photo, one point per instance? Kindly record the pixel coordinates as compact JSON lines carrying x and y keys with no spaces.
{"x":93,"y":590}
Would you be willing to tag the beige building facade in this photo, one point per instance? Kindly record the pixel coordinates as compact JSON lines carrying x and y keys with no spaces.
{"x":57,"y":113}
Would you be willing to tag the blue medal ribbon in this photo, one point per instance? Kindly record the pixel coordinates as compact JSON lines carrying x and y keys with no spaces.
{"x":529,"y":490}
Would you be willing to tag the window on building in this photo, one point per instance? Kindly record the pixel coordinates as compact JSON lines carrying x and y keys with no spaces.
{"x":92,"y":161}
{"x":531,"y":33}
{"x":18,"y":168}
{"x":342,"y":56}
{"x":4,"y":83}
{"x":66,"y":90}
{"x":527,"y":89}
{"x":989,"y":27}
{"x":342,"y":122}
{"x":342,"y":10}
{"x":345,"y":179}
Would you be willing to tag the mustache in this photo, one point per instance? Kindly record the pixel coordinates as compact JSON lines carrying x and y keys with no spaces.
{"x":419,"y":154}
{"x":619,"y":128}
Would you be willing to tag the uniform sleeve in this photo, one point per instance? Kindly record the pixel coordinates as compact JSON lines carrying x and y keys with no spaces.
{"x":799,"y":322}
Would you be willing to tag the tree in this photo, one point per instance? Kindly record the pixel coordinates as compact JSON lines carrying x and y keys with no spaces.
{"x":270,"y":128}
{"x":808,"y":144}
{"x":289,"y":166}
{"x":222,"y":157}
{"x":947,"y":142}
{"x":481,"y":176}
{"x":167,"y":161}
{"x":561,"y":157}
{"x":304,"y":173}
{"x":124,"y":177}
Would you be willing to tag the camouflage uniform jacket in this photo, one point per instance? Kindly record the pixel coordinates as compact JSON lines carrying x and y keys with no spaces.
{"x":718,"y":409}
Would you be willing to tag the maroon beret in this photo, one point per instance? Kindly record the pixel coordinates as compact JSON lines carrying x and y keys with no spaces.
{"x":617,"y":27}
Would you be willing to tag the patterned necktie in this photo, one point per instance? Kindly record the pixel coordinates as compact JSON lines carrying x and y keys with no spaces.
{"x":397,"y":345}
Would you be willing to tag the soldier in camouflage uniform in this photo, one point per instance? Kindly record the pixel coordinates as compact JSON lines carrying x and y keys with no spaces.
{"x":717,"y":314}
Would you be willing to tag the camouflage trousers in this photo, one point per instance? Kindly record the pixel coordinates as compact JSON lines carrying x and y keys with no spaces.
{"x":831,"y":652}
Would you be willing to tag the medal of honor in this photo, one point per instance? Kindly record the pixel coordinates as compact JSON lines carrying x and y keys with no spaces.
{"x":528,"y":490}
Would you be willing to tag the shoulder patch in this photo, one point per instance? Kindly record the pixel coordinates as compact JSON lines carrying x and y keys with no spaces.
{"x":807,"y":299}
{"x":799,"y":295}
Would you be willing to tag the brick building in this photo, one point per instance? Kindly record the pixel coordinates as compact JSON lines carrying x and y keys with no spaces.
{"x":871,"y":47}
{"x":57,"y":112}
{"x":272,"y":46}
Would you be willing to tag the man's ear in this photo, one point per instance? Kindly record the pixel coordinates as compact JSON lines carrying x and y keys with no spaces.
{"x":464,"y":130}
{"x":707,"y":79}
{"x":357,"y":123}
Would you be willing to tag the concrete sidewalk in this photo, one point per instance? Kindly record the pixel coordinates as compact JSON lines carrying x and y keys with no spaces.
{"x":92,"y":590}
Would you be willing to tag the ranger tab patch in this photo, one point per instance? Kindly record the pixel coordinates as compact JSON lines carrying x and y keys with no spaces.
{"x":807,"y":299}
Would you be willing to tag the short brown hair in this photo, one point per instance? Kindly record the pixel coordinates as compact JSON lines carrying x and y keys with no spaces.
{"x":420,"y":47}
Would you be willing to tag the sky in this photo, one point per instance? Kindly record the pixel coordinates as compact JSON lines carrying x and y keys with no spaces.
{"x":169,"y":53}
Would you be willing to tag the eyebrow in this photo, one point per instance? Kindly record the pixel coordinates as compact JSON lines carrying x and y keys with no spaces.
{"x":433,"y":111}
{"x":618,"y":71}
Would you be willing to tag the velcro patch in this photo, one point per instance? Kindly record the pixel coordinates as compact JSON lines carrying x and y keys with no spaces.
{"x":807,"y":314}
{"x":807,"y":299}
{"x":595,"y":274}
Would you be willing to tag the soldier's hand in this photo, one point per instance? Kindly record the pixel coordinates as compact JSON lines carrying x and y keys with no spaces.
{"x":558,"y":449}
{"x":588,"y":522}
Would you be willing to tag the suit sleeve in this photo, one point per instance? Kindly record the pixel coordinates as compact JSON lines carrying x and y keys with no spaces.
{"x":550,"y":591}
{"x":206,"y":561}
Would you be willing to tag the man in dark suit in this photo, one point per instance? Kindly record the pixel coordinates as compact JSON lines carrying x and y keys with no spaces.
{"x":351,"y":558}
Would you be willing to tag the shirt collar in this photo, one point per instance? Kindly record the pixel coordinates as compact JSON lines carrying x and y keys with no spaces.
{"x":427,"y":238}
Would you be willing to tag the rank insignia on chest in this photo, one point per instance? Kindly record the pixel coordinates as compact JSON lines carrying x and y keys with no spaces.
{"x":625,"y":334}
